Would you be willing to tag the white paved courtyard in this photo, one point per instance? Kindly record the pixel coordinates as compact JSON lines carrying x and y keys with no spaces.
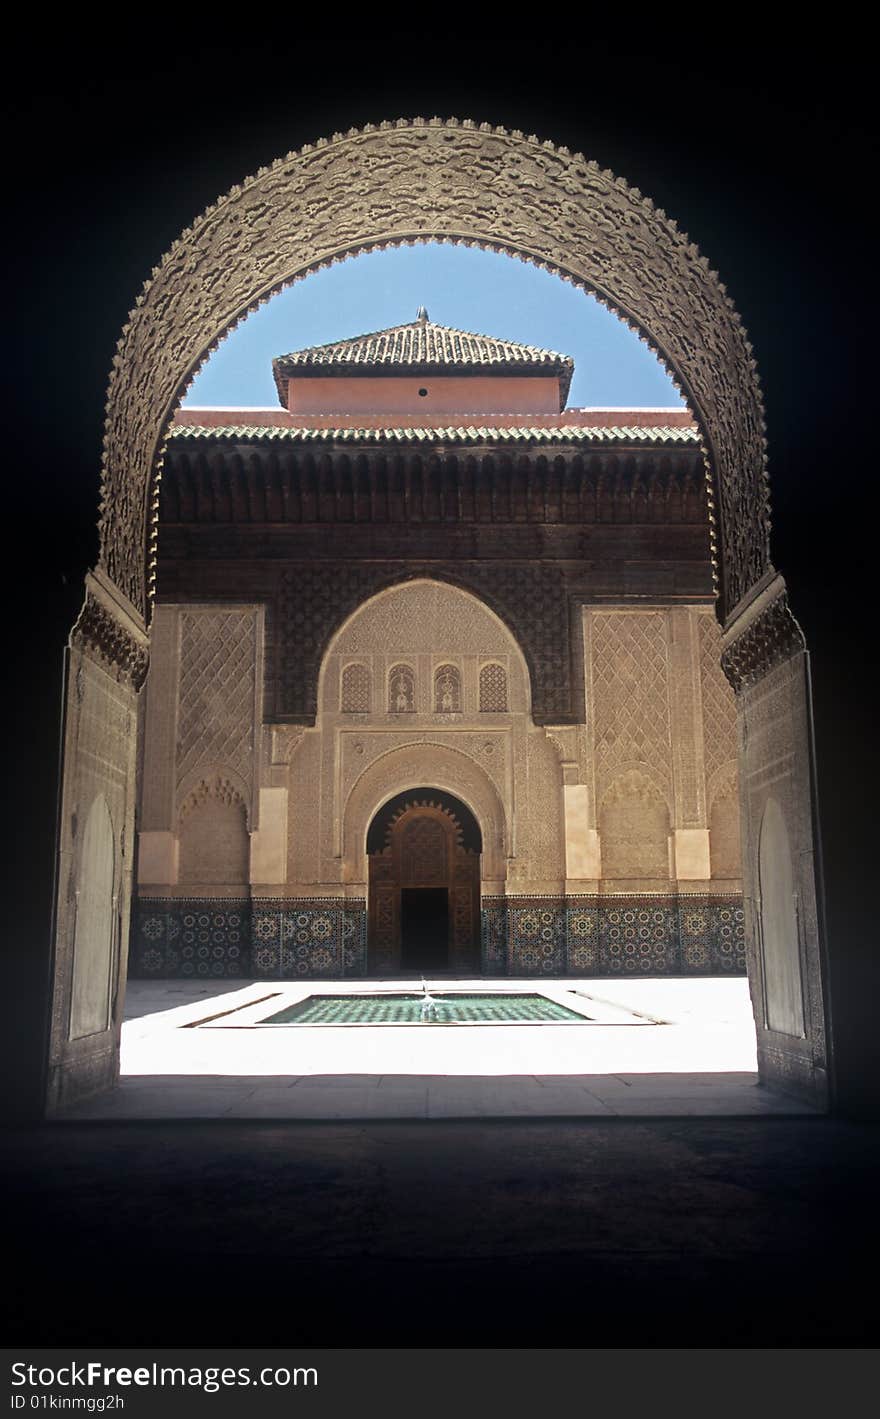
{"x":193,"y":1049}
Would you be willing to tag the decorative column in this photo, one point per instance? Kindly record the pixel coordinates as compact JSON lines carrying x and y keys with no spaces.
{"x":268,"y":865}
{"x":157,"y":864}
{"x":690,"y":834}
{"x":583,"y":864}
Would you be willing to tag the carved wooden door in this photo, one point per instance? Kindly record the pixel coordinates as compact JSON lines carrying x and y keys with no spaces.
{"x":423,"y":852}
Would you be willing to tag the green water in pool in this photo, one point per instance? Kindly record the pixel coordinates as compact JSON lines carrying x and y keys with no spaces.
{"x":450,"y":1009}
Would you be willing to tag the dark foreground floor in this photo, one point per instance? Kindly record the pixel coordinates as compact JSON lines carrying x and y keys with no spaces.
{"x":574,"y":1233}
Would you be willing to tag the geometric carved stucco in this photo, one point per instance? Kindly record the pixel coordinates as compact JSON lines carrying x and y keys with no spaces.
{"x":356,"y":690}
{"x":218,"y":660}
{"x":463,"y":182}
{"x":719,"y":701}
{"x":493,"y":689}
{"x":630,"y":678}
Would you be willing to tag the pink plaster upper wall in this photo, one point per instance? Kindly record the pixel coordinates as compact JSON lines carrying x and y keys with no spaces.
{"x":276,"y":418}
{"x":446,"y":394}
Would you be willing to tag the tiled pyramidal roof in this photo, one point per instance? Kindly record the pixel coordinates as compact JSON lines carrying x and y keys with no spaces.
{"x":421,"y":347}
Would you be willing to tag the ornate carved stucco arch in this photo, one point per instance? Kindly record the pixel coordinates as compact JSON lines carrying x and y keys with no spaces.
{"x":410,"y":181}
{"x":343,"y":614}
{"x":409,"y":767}
{"x":458,"y":181}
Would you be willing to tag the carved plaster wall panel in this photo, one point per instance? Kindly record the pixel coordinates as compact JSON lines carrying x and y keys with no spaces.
{"x":218,"y":690}
{"x":202,"y":744}
{"x":158,"y":776}
{"x":100,"y":727}
{"x":431,"y":618}
{"x":214,"y":837}
{"x":95,"y":928}
{"x":634,"y":829}
{"x":304,"y":814}
{"x":422,"y":763}
{"x":659,"y":706}
{"x":358,"y":749}
{"x":531,"y":601}
{"x":775,"y":766}
{"x":630,"y":684}
{"x":725,"y":825}
{"x":541,"y":815}
{"x":437,"y":633}
{"x":686,"y":717}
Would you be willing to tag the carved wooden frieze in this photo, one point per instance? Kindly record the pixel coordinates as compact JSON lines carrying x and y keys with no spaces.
{"x":431,"y":179}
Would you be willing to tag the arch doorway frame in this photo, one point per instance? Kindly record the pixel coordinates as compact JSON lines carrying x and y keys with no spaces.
{"x":462,"y":182}
{"x":401,"y":866}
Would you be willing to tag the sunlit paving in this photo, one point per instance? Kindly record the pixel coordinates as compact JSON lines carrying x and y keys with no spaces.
{"x":513,"y":1048}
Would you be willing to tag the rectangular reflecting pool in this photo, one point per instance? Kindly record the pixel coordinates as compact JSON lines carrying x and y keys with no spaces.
{"x":449,"y":1009}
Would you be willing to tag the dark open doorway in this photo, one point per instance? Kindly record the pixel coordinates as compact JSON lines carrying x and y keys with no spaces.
{"x":423,"y":849}
{"x":424,"y":929}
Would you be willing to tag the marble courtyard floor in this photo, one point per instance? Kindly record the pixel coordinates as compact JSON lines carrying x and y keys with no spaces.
{"x":651,"y":1048}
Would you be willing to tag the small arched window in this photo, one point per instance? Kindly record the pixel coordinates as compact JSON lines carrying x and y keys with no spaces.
{"x":401,"y":690}
{"x":447,"y":690}
{"x":355,"y":690}
{"x":493,"y":689}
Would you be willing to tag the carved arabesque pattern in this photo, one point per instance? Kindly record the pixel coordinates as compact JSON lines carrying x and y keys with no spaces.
{"x":447,"y":690}
{"x":531,"y":600}
{"x":458,"y":181}
{"x":401,"y":690}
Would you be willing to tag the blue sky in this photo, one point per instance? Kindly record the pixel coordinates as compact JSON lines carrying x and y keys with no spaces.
{"x":464,"y":287}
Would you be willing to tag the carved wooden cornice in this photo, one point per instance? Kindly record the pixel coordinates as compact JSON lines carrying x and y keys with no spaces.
{"x":209,"y":484}
{"x":771,"y":635}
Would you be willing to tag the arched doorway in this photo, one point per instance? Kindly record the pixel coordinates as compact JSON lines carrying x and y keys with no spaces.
{"x":423,"y":850}
{"x":461,"y":182}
